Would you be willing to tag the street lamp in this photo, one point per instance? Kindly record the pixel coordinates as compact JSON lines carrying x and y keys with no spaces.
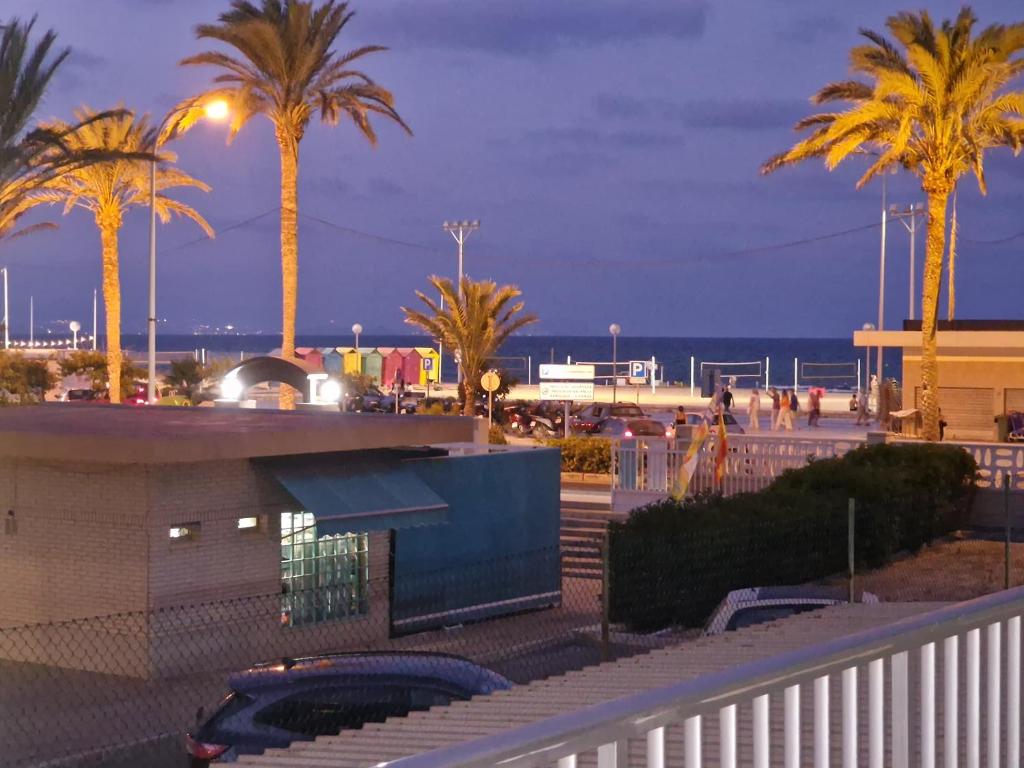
{"x":460,"y":230}
{"x":75,"y":327}
{"x":217,"y":109}
{"x":357,"y":329}
{"x":615,"y":329}
{"x":867,"y":356}
{"x":911,"y":212}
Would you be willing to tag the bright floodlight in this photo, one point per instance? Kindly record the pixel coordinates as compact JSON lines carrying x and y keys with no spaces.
{"x":868,"y":327}
{"x":217,"y":109}
{"x":357,"y":328}
{"x":330,"y":391}
{"x":75,"y":326}
{"x":231,"y":388}
{"x":614,"y":329}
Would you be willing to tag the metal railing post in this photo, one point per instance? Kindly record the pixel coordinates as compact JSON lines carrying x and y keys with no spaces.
{"x":850,"y":523}
{"x":605,"y":598}
{"x":1006,"y":517}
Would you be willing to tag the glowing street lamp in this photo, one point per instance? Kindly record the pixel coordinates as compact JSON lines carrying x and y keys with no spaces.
{"x":216,"y":109}
{"x":75,"y":327}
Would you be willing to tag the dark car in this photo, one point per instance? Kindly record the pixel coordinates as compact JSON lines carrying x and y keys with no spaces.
{"x":275,"y":704}
{"x":743,"y":608}
{"x":371,"y":400}
{"x":628,"y":428}
{"x":588,"y":421}
{"x":85,"y":396}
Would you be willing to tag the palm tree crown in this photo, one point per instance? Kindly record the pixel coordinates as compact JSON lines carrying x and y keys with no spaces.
{"x":475,"y":323}
{"x":934,"y":102}
{"x":108,"y":189}
{"x":284,"y":67}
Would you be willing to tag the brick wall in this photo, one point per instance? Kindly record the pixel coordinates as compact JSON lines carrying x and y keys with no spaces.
{"x":76,"y":544}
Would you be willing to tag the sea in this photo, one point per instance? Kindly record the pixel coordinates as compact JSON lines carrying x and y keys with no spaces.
{"x":831,"y":363}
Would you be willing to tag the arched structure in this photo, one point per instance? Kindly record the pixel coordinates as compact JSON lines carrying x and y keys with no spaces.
{"x":256,"y":370}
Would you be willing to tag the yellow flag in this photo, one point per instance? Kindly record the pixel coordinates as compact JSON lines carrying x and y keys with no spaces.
{"x":689,"y":463}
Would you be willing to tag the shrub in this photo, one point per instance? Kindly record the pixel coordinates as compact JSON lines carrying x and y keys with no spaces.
{"x":496,"y":435}
{"x":672,"y":563}
{"x":590,"y":455}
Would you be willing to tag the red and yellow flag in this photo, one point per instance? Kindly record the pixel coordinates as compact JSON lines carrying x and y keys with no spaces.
{"x":690,"y":460}
{"x":722,"y":450}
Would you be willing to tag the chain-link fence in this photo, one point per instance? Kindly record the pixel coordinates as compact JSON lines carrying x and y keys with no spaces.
{"x":121,"y":690}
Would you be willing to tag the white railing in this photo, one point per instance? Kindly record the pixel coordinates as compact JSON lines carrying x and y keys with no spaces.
{"x":996,"y":460}
{"x":957,"y":669}
{"x":752,"y":463}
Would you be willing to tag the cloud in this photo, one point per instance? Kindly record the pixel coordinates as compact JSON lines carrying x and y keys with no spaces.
{"x":533,"y":27}
{"x":592,"y":139}
{"x":808,"y":29}
{"x":731,"y":114}
{"x":381,"y":187}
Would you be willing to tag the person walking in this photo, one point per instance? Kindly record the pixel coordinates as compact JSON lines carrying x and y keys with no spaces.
{"x":754,"y":411}
{"x":773,"y":393}
{"x":727,"y":399}
{"x":813,"y":407}
{"x":794,"y":406}
{"x":863,"y":417}
{"x":785,"y":420}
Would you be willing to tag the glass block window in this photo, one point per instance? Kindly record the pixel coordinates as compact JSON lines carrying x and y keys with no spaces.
{"x":323,"y":578}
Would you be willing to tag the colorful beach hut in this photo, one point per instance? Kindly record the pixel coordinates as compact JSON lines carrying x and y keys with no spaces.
{"x":412,"y":367}
{"x":431,"y":371}
{"x":392,"y":366}
{"x":311,"y":355}
{"x":332,"y":360}
{"x":351,"y":360}
{"x":373,"y":363}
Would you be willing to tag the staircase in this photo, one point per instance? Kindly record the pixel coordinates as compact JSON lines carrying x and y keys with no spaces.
{"x":585,"y":518}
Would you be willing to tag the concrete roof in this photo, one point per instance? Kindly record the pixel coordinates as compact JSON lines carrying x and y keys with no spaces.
{"x":376,"y":743}
{"x":1010,"y":341}
{"x":152,"y":435}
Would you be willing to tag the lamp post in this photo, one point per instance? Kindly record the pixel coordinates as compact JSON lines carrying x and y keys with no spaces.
{"x":356,"y":330}
{"x":75,"y":327}
{"x":615,"y":329}
{"x":460,"y":230}
{"x":7,"y":319}
{"x":215,"y":110}
{"x":911,"y":212}
{"x":867,"y":357}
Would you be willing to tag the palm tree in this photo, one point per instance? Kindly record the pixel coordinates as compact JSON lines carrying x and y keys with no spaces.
{"x":107,"y":190}
{"x":287,"y":71}
{"x":933,"y":105}
{"x":474,"y":322}
{"x":29,"y":157}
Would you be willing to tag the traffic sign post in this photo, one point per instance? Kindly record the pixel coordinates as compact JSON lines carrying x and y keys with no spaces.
{"x":572,"y":382}
{"x":490,"y":381}
{"x":428,"y":366}
{"x":638,"y":371}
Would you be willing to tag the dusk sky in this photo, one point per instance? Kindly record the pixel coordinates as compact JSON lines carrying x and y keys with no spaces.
{"x":610,"y":148}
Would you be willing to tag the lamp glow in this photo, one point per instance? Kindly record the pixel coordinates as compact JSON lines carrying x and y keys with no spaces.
{"x":217,"y":109}
{"x":330,"y":391}
{"x":231,"y":389}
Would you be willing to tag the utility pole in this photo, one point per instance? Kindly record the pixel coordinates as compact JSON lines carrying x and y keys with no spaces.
{"x":910,"y":212}
{"x":460,"y":230}
{"x":94,"y":304}
{"x":881,"y":280}
{"x":7,"y":317}
{"x":31,"y":321}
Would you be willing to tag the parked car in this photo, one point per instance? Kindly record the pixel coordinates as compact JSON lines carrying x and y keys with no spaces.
{"x":627,"y":428}
{"x":85,"y":396}
{"x":370,"y":400}
{"x":277,"y":703}
{"x":588,"y":420}
{"x":137,"y":396}
{"x":759,"y":605}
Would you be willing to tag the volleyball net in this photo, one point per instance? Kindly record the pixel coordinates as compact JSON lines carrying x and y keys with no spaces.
{"x":748,"y":373}
{"x":831,"y":374}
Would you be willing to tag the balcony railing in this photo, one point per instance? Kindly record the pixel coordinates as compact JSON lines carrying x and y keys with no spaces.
{"x":939,"y":689}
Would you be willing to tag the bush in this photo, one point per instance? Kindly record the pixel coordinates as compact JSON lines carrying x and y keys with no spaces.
{"x":590,"y":455}
{"x":672,"y":562}
{"x":496,"y":435}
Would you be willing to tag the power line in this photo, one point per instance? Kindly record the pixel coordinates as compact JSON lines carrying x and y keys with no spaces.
{"x":370,"y":235}
{"x":1000,"y":241}
{"x":224,"y":231}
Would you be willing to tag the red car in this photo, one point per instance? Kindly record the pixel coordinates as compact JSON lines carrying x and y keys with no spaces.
{"x":138,"y":397}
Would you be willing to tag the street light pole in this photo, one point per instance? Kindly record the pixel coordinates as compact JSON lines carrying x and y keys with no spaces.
{"x":7,"y":320}
{"x":615,"y":329}
{"x":215,"y":110}
{"x":94,"y":305}
{"x":911,"y":212}
{"x":460,"y":230}
{"x":881,"y":277}
{"x":357,"y":329}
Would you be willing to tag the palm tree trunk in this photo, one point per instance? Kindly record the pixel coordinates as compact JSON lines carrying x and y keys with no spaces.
{"x":938,"y":198}
{"x":469,"y":392}
{"x":109,"y":226}
{"x":951,"y":295}
{"x":289,"y":148}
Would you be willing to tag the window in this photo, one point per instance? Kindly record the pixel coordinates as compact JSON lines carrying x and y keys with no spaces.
{"x":248,"y":523}
{"x":323,"y":578}
{"x":183,"y":532}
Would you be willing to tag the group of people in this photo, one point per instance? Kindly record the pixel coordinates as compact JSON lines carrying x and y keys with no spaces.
{"x":784,"y":406}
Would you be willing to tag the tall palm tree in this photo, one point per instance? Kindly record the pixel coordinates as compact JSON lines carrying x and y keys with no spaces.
{"x":284,"y":68}
{"x":474,"y":323}
{"x":935,"y":101}
{"x":107,"y":190}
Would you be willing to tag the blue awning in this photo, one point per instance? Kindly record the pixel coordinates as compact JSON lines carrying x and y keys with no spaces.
{"x":348,"y":496}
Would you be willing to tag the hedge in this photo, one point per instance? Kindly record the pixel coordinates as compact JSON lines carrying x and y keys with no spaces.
{"x":591,"y":455}
{"x":672,"y":562}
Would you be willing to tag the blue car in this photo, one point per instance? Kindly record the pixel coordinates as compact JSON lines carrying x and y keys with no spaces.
{"x":275,"y":704}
